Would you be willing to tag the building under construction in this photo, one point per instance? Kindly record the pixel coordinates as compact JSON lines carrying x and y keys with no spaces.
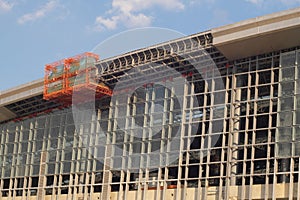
{"x":215,"y":116}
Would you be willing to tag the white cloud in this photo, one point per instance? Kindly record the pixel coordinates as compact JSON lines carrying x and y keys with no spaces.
{"x":40,"y":13}
{"x":138,"y":20}
{"x":129,"y":13}
{"x":198,"y":2}
{"x":108,"y":23}
{"x":255,"y":1}
{"x":5,"y":6}
{"x":129,"y":20}
{"x":138,"y":5}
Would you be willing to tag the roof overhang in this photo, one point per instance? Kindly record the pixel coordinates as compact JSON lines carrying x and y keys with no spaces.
{"x":259,"y":35}
{"x":17,"y":94}
{"x":21,"y":92}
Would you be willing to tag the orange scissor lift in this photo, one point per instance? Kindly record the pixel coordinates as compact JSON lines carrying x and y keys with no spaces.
{"x":74,"y":77}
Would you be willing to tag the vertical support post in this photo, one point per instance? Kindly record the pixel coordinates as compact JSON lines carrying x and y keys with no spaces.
{"x":180,"y":194}
{"x":40,"y":194}
{"x":233,"y":134}
{"x":107,"y":160}
{"x":106,"y":173}
{"x":125,"y":172}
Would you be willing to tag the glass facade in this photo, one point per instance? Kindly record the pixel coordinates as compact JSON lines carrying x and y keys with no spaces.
{"x":242,"y":133}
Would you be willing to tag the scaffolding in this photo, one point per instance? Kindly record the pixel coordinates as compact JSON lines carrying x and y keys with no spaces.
{"x":74,"y":74}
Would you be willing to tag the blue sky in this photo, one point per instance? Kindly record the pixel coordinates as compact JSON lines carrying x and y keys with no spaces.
{"x":37,"y":32}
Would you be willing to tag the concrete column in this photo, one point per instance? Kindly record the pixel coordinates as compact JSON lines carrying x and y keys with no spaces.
{"x":235,"y":135}
{"x":41,"y":183}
